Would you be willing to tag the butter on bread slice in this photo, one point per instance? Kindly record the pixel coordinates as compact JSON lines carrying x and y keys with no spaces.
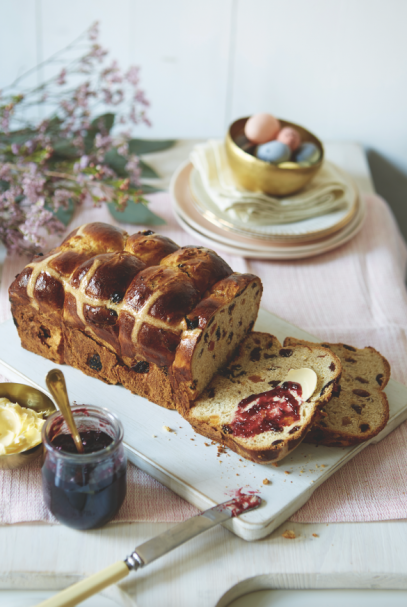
{"x":359,"y":409}
{"x":260,"y":364}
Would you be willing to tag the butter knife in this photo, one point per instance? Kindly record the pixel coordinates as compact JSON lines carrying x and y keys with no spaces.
{"x":152,"y":550}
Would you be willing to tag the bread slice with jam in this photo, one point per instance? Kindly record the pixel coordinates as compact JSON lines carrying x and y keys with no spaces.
{"x":245,"y":407}
{"x":359,"y":409}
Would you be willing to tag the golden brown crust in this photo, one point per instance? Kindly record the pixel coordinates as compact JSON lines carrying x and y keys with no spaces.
{"x":329,"y":438}
{"x":144,"y":379}
{"x":132,"y":295}
{"x":97,"y":237}
{"x":150,"y":247}
{"x":201,"y":321}
{"x":259,"y":456}
{"x":203,"y":266}
{"x":39,"y":333}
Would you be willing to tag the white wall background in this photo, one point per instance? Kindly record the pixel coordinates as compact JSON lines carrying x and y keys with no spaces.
{"x":338,"y":67}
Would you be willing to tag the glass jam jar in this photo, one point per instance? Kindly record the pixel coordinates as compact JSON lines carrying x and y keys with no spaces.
{"x":84,"y":490}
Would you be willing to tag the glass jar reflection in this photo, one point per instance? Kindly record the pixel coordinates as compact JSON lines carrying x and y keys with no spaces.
{"x":84,"y":491}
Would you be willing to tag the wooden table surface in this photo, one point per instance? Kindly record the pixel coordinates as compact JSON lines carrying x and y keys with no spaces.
{"x":217,"y":567}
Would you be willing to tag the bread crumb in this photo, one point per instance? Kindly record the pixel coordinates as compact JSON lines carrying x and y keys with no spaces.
{"x":315,"y":535}
{"x":237,"y":474}
{"x":207,"y":444}
{"x":275,"y":465}
{"x":154,"y":436}
{"x":167,"y":429}
{"x":287,"y":472}
{"x":289,"y":535}
{"x":266,"y":481}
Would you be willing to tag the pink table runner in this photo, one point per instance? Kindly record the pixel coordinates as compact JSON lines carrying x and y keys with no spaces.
{"x":355,"y":294}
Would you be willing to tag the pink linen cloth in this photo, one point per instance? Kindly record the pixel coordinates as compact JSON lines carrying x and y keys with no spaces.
{"x":354,"y":294}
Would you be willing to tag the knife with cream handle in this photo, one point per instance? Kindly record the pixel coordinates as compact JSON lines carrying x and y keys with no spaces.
{"x":152,"y":550}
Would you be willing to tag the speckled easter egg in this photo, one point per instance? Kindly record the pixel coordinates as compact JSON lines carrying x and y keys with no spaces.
{"x":274,"y":152}
{"x":261,"y":128}
{"x":307,"y":152}
{"x":290,"y":137}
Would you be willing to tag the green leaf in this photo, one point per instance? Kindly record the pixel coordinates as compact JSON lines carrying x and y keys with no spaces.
{"x":117,"y":162}
{"x":63,"y":214}
{"x":135,"y":213}
{"x":18,"y":137}
{"x":149,"y":189}
{"x":65,"y":150}
{"x":101,"y":123}
{"x":147,"y":172}
{"x":147,"y":146}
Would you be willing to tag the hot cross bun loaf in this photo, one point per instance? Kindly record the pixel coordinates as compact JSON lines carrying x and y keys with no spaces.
{"x":136,"y":310}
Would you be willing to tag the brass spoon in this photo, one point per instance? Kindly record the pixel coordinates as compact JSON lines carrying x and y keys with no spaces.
{"x":56,"y":384}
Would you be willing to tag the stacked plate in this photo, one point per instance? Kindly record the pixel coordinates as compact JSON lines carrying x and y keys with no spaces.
{"x":202,"y":218}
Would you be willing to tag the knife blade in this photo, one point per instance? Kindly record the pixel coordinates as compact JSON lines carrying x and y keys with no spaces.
{"x":152,"y":549}
{"x":179,"y":534}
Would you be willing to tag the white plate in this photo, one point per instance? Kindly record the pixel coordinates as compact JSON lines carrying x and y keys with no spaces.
{"x":187,"y":466}
{"x":278,"y":252}
{"x":194,"y":223}
{"x":307,"y":229}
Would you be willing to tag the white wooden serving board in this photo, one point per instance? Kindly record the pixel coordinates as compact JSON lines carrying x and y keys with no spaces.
{"x":181,"y":461}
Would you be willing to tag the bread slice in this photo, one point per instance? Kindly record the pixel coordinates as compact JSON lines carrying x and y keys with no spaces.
{"x":358,"y":409}
{"x":259,"y":365}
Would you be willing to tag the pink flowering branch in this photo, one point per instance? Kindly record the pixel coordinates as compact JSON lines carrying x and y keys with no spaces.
{"x":70,"y":157}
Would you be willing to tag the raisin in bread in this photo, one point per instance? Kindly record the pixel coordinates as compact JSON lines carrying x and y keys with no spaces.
{"x":260,"y":365}
{"x":136,"y":310}
{"x":359,"y":408}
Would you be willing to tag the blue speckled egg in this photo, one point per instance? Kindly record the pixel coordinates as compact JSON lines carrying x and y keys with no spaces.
{"x":307,"y":152}
{"x":273,"y":152}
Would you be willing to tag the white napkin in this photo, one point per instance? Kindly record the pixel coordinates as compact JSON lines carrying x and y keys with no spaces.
{"x":327,"y":192}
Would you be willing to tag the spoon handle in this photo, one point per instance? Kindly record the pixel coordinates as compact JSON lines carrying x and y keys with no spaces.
{"x":56,"y":384}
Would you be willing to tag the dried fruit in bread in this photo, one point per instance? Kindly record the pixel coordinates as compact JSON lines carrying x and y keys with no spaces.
{"x":359,"y":409}
{"x":235,"y":409}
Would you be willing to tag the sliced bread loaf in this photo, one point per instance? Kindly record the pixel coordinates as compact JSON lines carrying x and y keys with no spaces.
{"x":240,"y":407}
{"x":358,"y":409}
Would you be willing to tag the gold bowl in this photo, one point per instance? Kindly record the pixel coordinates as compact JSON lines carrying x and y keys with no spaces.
{"x":31,"y":398}
{"x":259,"y":176}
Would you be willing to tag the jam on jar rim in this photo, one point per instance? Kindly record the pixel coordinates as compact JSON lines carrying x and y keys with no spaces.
{"x":87,"y":410}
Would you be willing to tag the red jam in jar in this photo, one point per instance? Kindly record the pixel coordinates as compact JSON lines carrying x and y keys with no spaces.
{"x":84,"y":491}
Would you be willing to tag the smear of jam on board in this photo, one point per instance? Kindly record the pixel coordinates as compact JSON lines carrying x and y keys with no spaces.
{"x":268,"y":411}
{"x":92,"y":441}
{"x":241,"y":503}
